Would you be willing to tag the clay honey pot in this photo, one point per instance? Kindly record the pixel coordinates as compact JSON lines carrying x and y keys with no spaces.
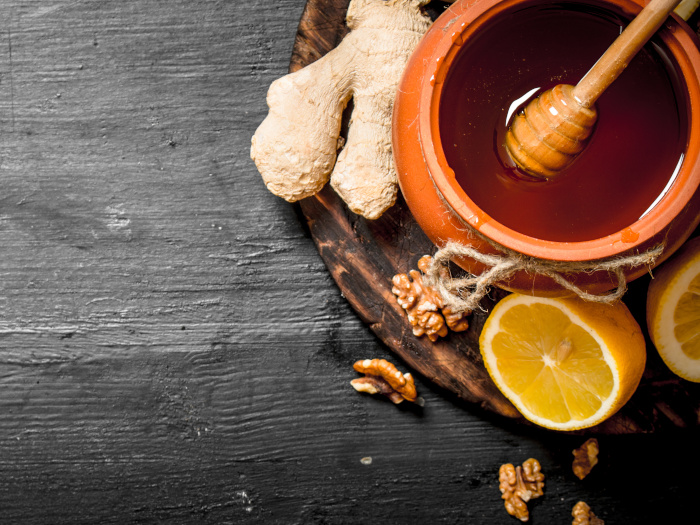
{"x":589,"y":220}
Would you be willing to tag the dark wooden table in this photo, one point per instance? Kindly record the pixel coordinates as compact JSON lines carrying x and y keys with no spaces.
{"x":172,"y":347}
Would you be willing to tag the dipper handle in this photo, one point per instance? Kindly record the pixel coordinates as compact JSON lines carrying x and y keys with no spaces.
{"x":618,"y":56}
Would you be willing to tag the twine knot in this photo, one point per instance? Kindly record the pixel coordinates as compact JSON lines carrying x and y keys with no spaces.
{"x":465,"y":293}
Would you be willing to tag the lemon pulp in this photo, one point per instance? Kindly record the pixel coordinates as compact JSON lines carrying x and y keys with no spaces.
{"x":540,"y":350}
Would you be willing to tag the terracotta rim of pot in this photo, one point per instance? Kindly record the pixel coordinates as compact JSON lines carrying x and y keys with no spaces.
{"x":465,"y":21}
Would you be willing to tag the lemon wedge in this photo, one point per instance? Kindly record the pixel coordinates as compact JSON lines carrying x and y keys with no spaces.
{"x":673,"y":311}
{"x":565,"y":364}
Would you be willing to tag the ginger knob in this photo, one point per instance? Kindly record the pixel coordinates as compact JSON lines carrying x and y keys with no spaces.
{"x":298,"y":148}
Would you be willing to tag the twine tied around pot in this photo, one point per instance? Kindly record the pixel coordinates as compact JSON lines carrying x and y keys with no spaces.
{"x":464,"y":293}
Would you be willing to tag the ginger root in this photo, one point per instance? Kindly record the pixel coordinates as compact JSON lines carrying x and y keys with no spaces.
{"x":295,"y":147}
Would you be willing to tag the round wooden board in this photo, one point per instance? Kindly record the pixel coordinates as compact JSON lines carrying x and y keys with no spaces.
{"x":363,"y":256}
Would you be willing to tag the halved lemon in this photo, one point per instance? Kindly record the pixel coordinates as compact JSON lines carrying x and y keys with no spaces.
{"x":673,"y":311}
{"x":565,"y":364}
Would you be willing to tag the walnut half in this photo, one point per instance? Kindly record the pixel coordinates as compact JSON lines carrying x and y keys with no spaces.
{"x":519,"y":485}
{"x":424,"y":305}
{"x":585,"y":458}
{"x":583,"y":515}
{"x":382,"y":377}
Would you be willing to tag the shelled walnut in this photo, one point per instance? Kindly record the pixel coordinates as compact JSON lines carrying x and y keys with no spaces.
{"x":585,"y":458}
{"x":382,"y":377}
{"x":424,"y":306}
{"x":583,"y":515}
{"x":519,"y":485}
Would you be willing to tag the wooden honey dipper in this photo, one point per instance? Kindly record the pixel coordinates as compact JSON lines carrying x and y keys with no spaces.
{"x":554,"y":127}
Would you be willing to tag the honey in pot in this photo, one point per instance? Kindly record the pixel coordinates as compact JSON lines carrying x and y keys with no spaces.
{"x":636,"y":147}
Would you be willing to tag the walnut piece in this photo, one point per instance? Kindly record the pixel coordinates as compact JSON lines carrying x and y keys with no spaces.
{"x":583,"y":515}
{"x":424,"y":306}
{"x":519,"y":485}
{"x":585,"y":458}
{"x":381,"y":377}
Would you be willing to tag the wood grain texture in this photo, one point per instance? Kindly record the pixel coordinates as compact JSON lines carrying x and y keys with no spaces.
{"x":364,"y":255}
{"x":172,"y":347}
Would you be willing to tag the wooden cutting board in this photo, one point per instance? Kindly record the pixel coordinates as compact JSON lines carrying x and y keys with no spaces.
{"x":363,"y":256}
